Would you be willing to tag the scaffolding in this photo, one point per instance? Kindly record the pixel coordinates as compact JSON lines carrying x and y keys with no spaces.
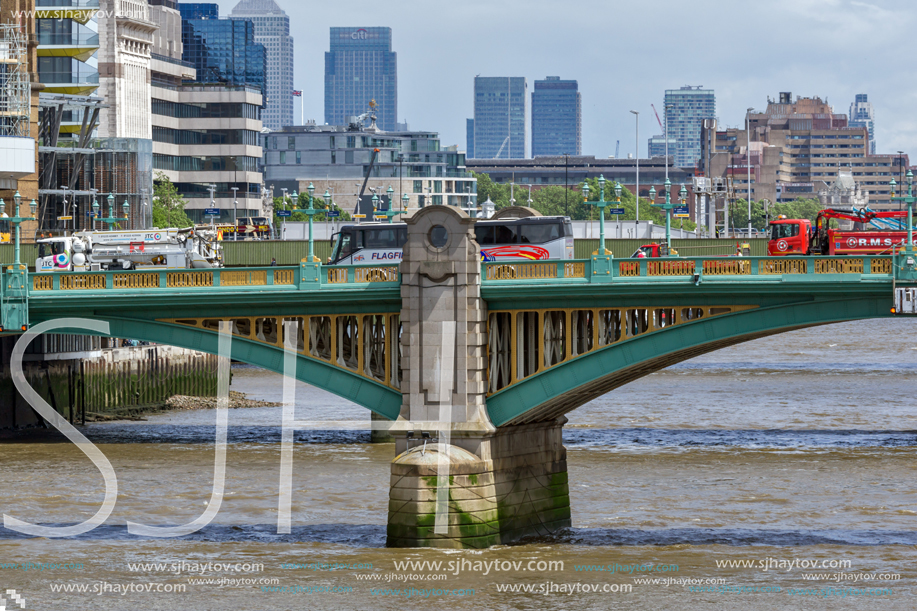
{"x":78,"y":169}
{"x":15,"y":89}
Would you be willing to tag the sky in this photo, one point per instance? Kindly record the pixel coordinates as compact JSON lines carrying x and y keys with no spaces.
{"x":625,"y":55}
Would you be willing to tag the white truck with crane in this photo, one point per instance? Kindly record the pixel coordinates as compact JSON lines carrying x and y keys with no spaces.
{"x":152,"y":249}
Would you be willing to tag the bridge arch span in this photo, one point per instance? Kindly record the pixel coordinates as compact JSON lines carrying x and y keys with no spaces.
{"x":361,"y":390}
{"x":562,"y":388}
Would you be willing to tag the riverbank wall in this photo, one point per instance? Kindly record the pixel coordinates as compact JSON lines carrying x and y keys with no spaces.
{"x":83,"y":376}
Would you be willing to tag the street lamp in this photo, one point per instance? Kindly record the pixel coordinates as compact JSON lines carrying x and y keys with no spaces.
{"x":748,"y":162}
{"x":637,"y":155}
{"x":127,"y":213}
{"x":682,"y":197}
{"x":235,"y":205}
{"x":375,"y":200}
{"x":95,"y":211}
{"x":405,"y":199}
{"x":530,"y":201}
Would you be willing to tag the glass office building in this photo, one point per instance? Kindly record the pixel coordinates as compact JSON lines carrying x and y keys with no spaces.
{"x":862,"y":114}
{"x":557,"y":118}
{"x":272,"y":29}
{"x":223,"y":51}
{"x":361,"y":67}
{"x":685,"y":110}
{"x":499,"y":117}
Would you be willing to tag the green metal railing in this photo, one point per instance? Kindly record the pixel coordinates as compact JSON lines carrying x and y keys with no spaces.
{"x":604,"y":269}
{"x":305,"y":276}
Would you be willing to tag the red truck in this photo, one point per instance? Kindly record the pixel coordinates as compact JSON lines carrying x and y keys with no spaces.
{"x":799,"y":237}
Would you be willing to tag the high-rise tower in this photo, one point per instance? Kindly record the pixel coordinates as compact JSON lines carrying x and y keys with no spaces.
{"x":499,"y":117}
{"x":272,"y":29}
{"x":557,"y":118}
{"x":361,"y":67}
{"x":862,"y":114}
{"x":685,"y":111}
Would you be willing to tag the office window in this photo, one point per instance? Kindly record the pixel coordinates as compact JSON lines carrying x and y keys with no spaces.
{"x":298,"y":157}
{"x":283,"y":157}
{"x":291,"y":143}
{"x":418,"y":186}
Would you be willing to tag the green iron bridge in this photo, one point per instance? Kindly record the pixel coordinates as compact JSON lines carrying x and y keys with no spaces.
{"x":559,"y":333}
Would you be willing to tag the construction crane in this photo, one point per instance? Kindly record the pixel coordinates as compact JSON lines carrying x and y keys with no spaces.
{"x":658,"y":121}
{"x":617,"y":149}
{"x":500,"y":150}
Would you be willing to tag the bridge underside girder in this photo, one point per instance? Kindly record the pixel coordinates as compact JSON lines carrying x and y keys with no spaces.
{"x":561,"y":388}
{"x":266,"y":351}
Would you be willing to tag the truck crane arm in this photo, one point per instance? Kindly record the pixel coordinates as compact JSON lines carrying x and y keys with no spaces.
{"x":858,"y":216}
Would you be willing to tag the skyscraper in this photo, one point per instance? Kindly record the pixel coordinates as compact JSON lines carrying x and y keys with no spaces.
{"x":685,"y":110}
{"x":862,"y":114}
{"x":469,"y":138}
{"x":272,"y":29}
{"x":361,"y":67}
{"x":499,"y":117}
{"x":223,"y":51}
{"x":557,"y":118}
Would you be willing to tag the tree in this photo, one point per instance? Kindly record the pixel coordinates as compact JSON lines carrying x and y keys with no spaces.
{"x":302,"y":203}
{"x":796,"y":209}
{"x":168,"y":205}
{"x":556,"y":200}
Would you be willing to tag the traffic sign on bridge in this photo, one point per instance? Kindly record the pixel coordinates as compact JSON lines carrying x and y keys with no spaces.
{"x":211,"y":212}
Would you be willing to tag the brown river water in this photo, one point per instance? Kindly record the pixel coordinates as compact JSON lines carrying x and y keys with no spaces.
{"x":779,"y":474}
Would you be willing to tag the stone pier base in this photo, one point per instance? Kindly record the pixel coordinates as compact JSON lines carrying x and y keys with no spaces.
{"x":502,"y":486}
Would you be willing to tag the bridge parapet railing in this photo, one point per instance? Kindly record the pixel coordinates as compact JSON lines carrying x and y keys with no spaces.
{"x":604,"y":269}
{"x":277,"y":278}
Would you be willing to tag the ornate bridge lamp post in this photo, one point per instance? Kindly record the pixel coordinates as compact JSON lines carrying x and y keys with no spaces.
{"x":668,"y":206}
{"x":601,"y":204}
{"x":112,"y":219}
{"x":390,"y":213}
{"x":15,"y":220}
{"x":311,"y":212}
{"x":15,"y":311}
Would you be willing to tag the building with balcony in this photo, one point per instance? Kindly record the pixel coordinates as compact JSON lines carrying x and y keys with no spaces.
{"x":68,"y":39}
{"x":18,"y":112}
{"x":333,"y":158}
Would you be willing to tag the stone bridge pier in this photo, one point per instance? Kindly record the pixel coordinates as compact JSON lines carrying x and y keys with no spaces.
{"x":457,"y":480}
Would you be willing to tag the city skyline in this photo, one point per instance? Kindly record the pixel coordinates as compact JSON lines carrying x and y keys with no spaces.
{"x":808,"y":51}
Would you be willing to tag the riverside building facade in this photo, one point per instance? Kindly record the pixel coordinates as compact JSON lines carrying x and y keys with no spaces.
{"x":798,"y":147}
{"x":335,"y":159}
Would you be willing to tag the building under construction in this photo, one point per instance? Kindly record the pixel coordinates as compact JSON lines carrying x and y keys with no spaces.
{"x":78,"y":169}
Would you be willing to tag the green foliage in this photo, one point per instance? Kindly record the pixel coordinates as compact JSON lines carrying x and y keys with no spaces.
{"x":168,"y":205}
{"x":302,"y":203}
{"x":556,"y":200}
{"x":796,"y":209}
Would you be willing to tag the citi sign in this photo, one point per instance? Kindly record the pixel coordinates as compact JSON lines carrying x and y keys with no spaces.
{"x":360,"y":34}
